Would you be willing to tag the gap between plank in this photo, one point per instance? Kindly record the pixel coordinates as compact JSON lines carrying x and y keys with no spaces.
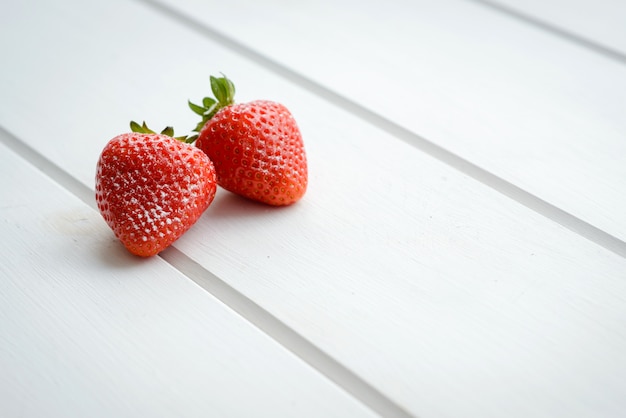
{"x":284,"y":335}
{"x":542,"y":207}
{"x":235,"y":300}
{"x":554,"y":30}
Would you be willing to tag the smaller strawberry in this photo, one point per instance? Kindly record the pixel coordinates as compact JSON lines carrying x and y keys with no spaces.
{"x":151,"y":188}
{"x":256,"y":147}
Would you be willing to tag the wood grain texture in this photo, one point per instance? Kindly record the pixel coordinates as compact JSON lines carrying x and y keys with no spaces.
{"x":448,"y":297}
{"x":88,"y":330}
{"x":601,"y":22}
{"x":539,"y":111}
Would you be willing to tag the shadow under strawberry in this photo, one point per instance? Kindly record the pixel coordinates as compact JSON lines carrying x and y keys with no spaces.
{"x":231,"y":205}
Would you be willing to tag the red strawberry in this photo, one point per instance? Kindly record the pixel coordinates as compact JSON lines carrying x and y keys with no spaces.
{"x":151,"y":188}
{"x":256,"y":147}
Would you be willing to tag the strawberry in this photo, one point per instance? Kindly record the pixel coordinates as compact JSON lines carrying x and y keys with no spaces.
{"x":256,"y":147}
{"x":151,"y":188}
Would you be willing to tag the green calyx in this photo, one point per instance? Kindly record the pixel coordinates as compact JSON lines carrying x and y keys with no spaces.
{"x":224,"y":91}
{"x":169,"y":131}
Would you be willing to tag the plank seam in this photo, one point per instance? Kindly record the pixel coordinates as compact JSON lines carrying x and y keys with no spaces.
{"x":249,"y":310}
{"x":49,"y":168}
{"x":554,"y":30}
{"x":284,"y":335}
{"x":508,"y":189}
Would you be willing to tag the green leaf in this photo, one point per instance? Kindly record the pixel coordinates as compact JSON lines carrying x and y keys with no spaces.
{"x":134,"y":126}
{"x":199,"y":126}
{"x":219,"y":89}
{"x":199,"y":110}
{"x":142,"y":129}
{"x":207,"y":102}
{"x":169,"y":131}
{"x":224,"y":91}
{"x":230,"y":88}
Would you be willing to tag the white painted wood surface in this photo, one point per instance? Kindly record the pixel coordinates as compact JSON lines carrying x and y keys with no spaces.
{"x":539,"y":111}
{"x":422,"y":286}
{"x":87,"y":330}
{"x":602,"y":22}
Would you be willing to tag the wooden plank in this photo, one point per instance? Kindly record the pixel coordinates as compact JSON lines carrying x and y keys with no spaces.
{"x":427,"y":285}
{"x":539,"y":111}
{"x":422,"y":281}
{"x":600,"y":22}
{"x":88,"y":330}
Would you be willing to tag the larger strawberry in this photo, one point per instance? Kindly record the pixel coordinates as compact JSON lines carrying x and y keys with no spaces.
{"x":256,"y":147}
{"x":151,"y":188}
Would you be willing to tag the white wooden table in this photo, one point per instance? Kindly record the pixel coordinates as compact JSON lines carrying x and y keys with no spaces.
{"x":460,"y":252}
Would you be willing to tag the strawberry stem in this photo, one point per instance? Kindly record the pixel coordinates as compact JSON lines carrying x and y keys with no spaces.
{"x":224,"y":91}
